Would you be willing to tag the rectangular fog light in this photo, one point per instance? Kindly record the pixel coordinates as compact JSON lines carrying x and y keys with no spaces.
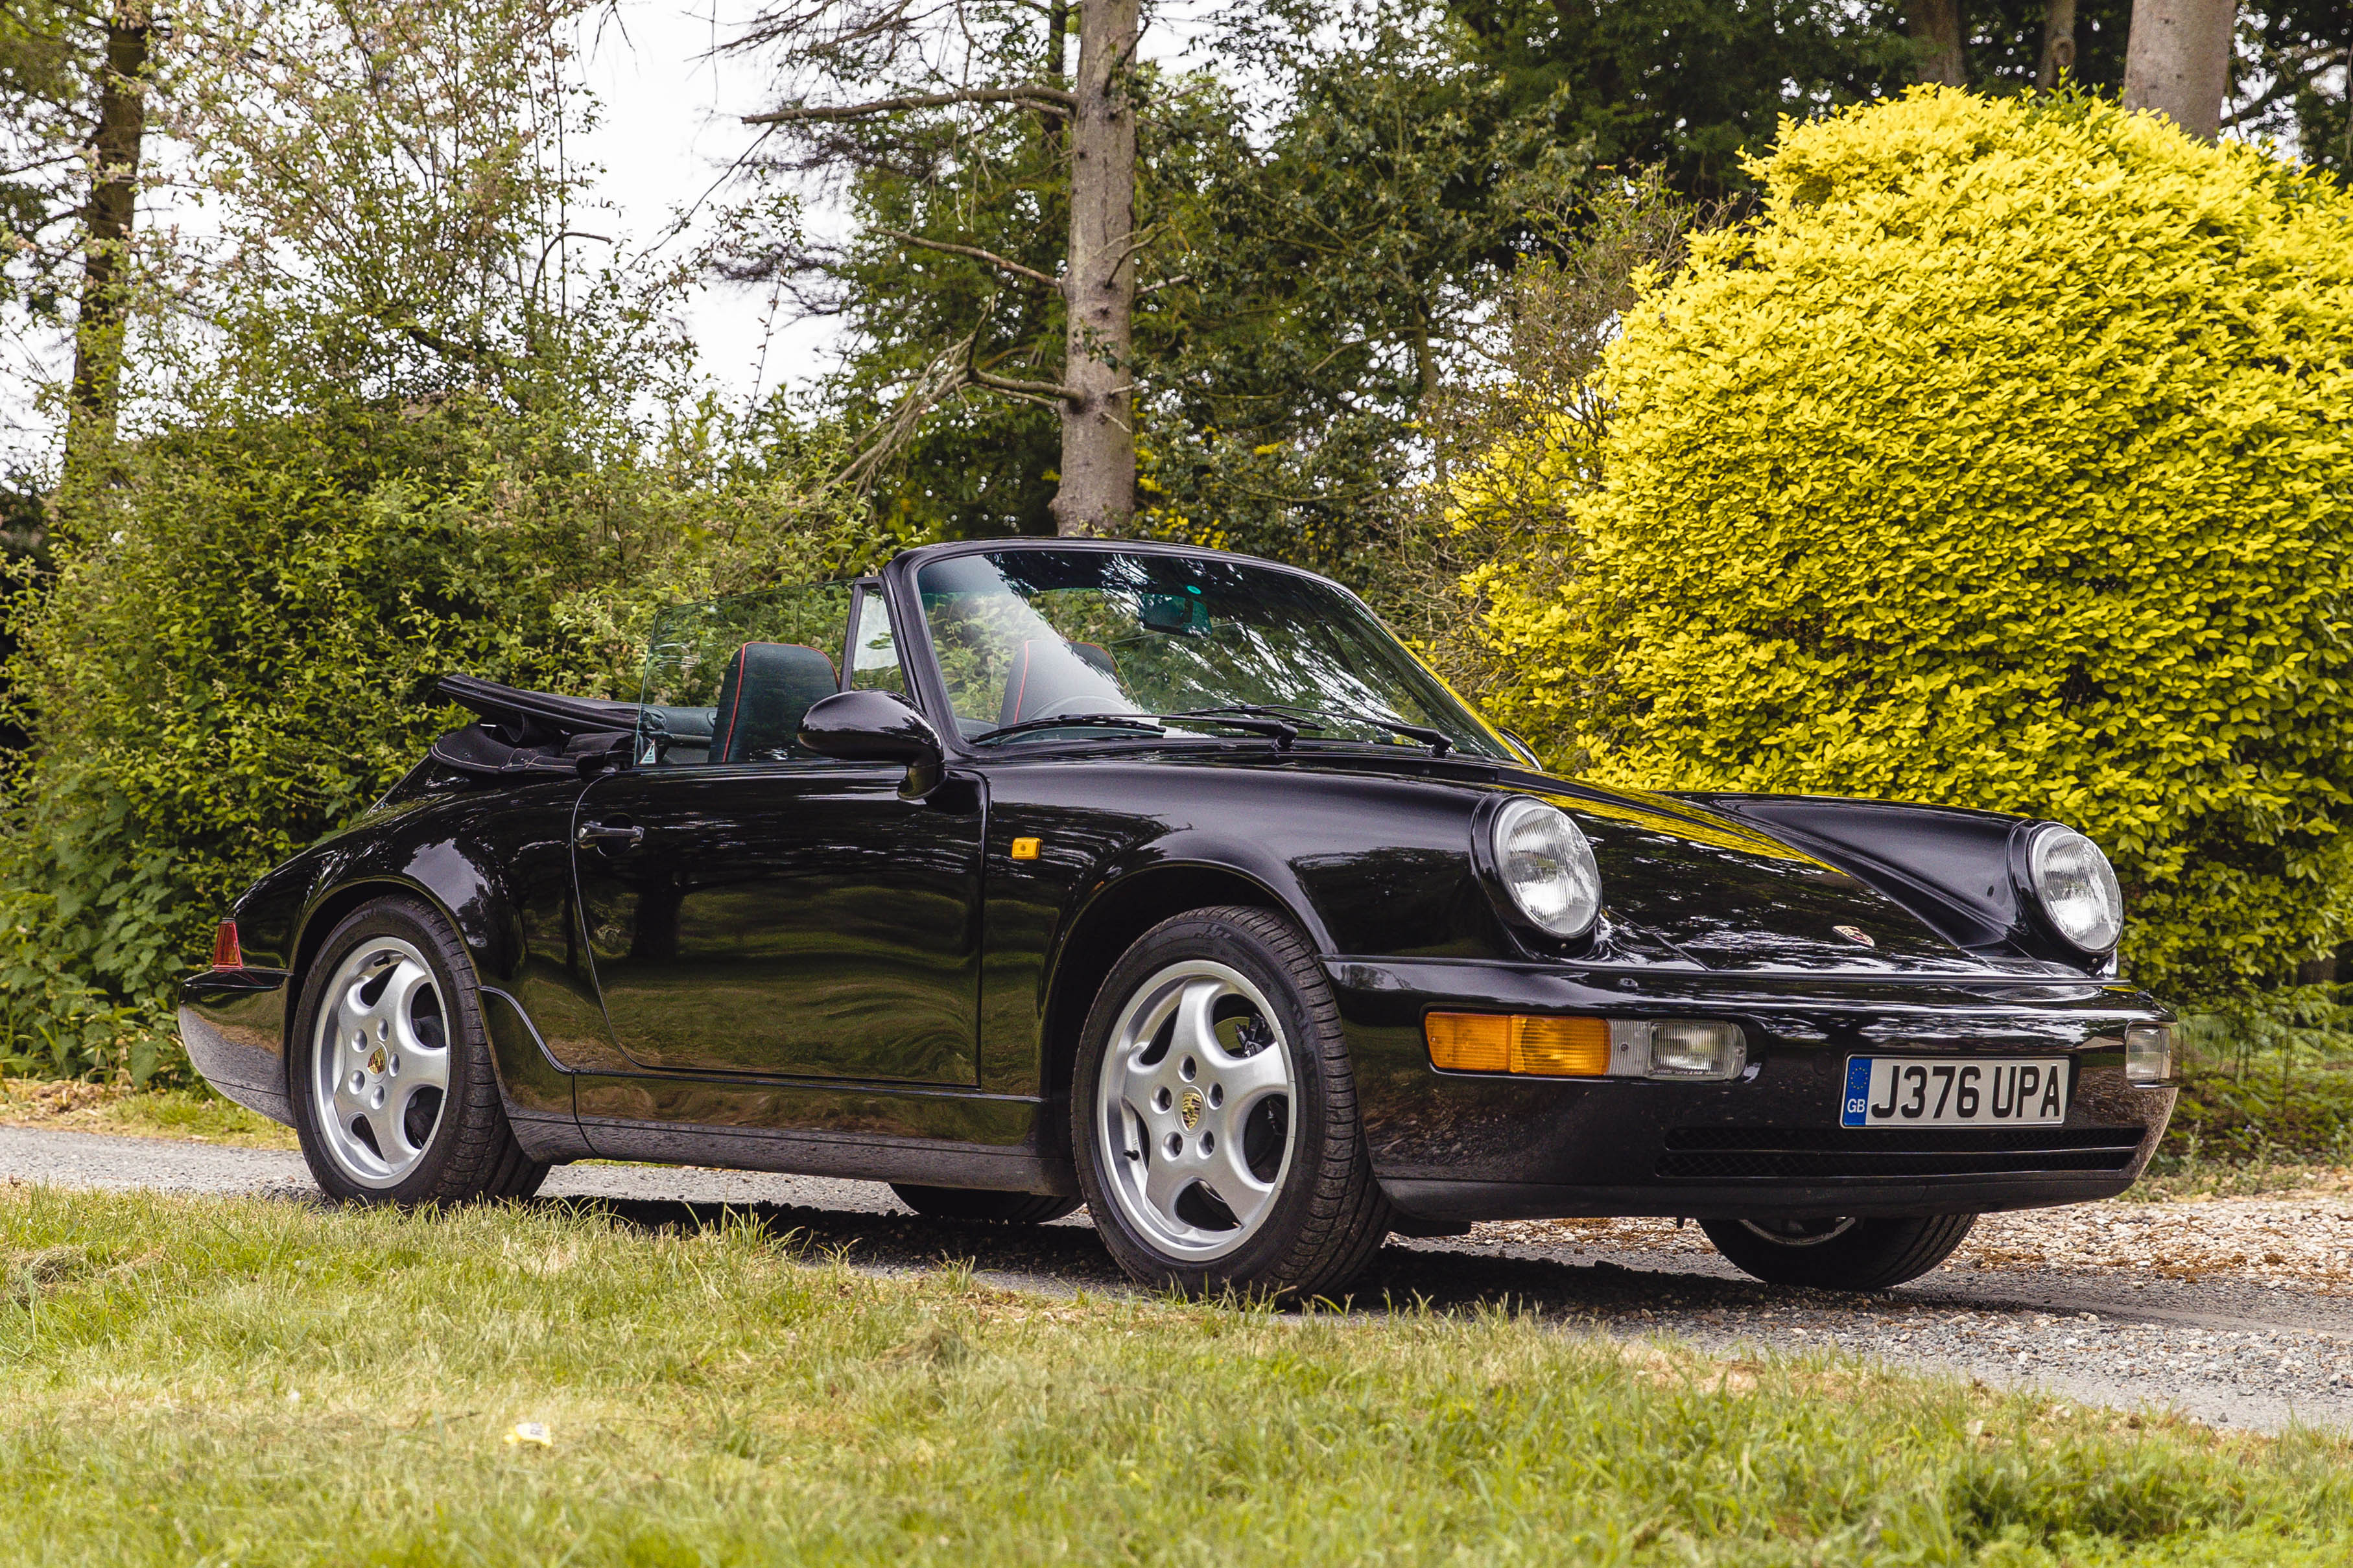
{"x":1549,"y":1046}
{"x":2149,"y":1054}
{"x":1689,"y":1048}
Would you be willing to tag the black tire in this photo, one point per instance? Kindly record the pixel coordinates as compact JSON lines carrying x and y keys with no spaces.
{"x":1865,"y":1255}
{"x":470,"y":1153}
{"x":985,"y":1207}
{"x":1327,"y":1216}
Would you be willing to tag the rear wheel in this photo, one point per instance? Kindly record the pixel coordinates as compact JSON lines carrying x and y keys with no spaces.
{"x":1214,"y":1114}
{"x":1840,"y":1254}
{"x":988,"y":1207}
{"x":394,"y":1097}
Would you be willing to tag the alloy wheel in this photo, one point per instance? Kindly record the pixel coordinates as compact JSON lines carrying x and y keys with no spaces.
{"x":1193,"y":1109}
{"x":381,"y":1062}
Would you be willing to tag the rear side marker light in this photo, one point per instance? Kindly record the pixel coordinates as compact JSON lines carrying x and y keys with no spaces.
{"x":2149,"y":1054}
{"x":227,"y":954}
{"x":1550,"y":1046}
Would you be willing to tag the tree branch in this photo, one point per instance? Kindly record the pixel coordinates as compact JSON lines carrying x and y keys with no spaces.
{"x":1049,"y":389}
{"x":1053,"y":99}
{"x":976,"y":254}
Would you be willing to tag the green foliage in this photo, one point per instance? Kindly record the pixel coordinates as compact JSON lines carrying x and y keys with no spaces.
{"x":53,"y":1023}
{"x":1332,"y":271}
{"x":1999,"y":463}
{"x":49,"y":54}
{"x":395,"y":210}
{"x":1308,"y":274}
{"x":238,"y":654}
{"x":1684,"y":85}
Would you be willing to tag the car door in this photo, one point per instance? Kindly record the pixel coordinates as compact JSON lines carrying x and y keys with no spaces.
{"x":755,"y":908}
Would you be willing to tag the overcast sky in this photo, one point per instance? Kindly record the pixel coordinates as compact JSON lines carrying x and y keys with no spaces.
{"x":672,"y":107}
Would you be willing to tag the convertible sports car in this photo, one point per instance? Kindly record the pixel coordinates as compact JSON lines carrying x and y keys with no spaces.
{"x":1034,"y":872}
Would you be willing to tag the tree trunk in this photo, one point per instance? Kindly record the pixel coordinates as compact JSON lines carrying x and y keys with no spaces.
{"x":113,"y":191}
{"x":2058,"y":45}
{"x":1098,"y":489}
{"x":1936,"y":26}
{"x":2178,"y":61}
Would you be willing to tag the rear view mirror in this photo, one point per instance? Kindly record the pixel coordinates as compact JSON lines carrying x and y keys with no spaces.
{"x":1179,"y":615}
{"x":875,"y":727}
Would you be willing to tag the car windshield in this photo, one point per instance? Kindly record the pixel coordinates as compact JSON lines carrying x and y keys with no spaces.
{"x":1025,"y":635}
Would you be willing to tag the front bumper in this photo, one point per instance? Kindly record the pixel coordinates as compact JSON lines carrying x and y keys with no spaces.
{"x":1454,"y":1147}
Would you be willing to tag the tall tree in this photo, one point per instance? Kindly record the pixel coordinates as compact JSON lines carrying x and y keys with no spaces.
{"x":1935,"y":26}
{"x":74,"y":78}
{"x":2058,"y":61}
{"x":913,"y":92}
{"x":2180,"y":61}
{"x":116,"y":144}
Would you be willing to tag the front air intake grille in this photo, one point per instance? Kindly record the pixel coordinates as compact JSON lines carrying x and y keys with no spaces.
{"x":1839,"y":1153}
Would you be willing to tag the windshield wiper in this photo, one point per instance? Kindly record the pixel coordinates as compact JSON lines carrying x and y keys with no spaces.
{"x":1073,"y":721}
{"x":1438,"y":740}
{"x":1281,"y":727}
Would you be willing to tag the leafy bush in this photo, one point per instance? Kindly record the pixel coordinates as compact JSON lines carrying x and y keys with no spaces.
{"x":236,"y":650}
{"x":2001,"y":462}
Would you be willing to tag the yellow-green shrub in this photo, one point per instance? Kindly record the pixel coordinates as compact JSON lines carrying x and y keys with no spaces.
{"x":2005,"y":461}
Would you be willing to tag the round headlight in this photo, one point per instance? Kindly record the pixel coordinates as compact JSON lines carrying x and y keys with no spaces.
{"x":1548,"y":866}
{"x":2076,"y":887}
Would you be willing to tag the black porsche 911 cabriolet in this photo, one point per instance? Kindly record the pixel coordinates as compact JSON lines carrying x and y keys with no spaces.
{"x":1032,"y":873}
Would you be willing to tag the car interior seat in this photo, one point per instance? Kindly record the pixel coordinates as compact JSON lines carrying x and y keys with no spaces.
{"x":766,"y":690}
{"x":1048,"y":674}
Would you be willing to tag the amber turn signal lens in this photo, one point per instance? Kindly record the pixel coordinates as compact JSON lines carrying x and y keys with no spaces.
{"x":227,"y":954}
{"x":1495,"y":1042}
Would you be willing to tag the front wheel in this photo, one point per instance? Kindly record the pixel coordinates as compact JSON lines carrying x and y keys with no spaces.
{"x":395,"y":1099}
{"x":1840,"y":1254}
{"x":1214,"y":1114}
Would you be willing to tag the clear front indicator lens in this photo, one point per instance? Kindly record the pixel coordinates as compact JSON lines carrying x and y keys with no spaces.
{"x":2077,"y":889}
{"x":1548,"y":1046}
{"x":2149,"y":1054}
{"x":1548,"y":866}
{"x":1697,"y":1050}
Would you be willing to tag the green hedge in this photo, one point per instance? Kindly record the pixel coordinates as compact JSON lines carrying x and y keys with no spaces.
{"x":236,"y":651}
{"x":2002,"y":461}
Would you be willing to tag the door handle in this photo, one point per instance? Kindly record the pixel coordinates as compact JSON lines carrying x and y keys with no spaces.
{"x":609,"y":836}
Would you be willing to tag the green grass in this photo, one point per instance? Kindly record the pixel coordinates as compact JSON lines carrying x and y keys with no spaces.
{"x":261,"y":1383}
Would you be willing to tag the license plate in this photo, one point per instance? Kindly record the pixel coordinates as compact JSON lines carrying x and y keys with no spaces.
{"x":1927,"y":1091}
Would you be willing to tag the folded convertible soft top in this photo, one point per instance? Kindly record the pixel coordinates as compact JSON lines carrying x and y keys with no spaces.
{"x":528,"y":731}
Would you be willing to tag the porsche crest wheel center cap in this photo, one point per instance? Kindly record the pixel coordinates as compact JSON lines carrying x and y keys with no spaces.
{"x":376,"y":1061}
{"x":1189,"y":1107}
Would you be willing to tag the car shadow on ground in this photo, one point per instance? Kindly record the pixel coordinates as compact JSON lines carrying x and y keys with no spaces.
{"x":1438,"y":1275}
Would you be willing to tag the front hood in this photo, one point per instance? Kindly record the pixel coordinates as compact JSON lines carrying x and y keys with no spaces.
{"x":1731,"y":896}
{"x":1683,"y":882}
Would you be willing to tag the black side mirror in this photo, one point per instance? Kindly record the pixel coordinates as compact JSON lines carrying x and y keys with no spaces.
{"x":875,"y":727}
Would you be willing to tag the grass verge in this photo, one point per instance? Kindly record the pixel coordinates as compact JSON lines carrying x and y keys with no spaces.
{"x":194,"y":1115}
{"x":255,"y":1382}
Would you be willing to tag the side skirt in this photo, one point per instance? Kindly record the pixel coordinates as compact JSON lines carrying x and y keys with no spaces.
{"x":937,"y":1137}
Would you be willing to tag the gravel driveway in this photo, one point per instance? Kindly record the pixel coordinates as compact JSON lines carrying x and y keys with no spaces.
{"x":2235,"y":1311}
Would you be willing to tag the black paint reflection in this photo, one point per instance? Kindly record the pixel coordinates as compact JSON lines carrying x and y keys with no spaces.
{"x":797,"y":919}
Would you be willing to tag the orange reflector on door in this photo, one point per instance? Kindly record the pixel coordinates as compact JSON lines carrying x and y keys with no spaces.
{"x":1495,"y":1042}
